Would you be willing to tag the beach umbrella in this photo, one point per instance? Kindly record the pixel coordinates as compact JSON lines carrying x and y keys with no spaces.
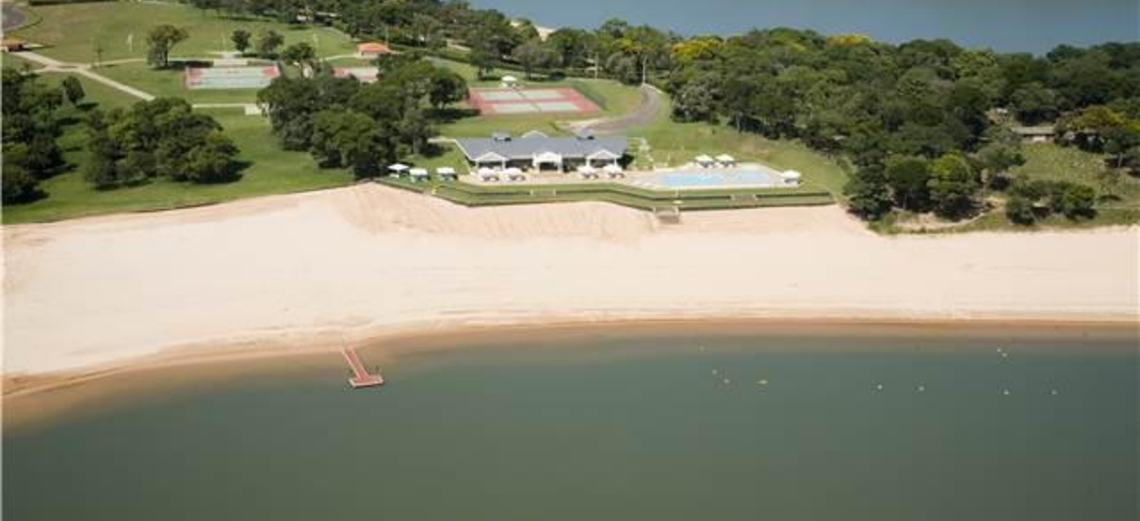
{"x":398,"y":168}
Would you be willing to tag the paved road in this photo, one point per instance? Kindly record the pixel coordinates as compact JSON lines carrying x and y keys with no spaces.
{"x":644,"y":114}
{"x":13,"y":16}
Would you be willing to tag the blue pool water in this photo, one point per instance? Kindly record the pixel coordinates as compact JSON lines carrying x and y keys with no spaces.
{"x":713,"y":179}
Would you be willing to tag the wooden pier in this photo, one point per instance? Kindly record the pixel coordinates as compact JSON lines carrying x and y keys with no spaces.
{"x":361,"y":378}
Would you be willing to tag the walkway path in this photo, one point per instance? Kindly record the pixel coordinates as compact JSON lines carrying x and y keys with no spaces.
{"x":83,"y":69}
{"x":86,"y":70}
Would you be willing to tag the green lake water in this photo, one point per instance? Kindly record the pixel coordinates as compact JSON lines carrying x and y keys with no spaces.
{"x":649,"y":426}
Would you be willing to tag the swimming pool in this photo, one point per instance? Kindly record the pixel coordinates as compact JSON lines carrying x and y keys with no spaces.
{"x":749,"y":178}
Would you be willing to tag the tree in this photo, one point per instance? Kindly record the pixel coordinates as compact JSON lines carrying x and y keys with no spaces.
{"x":73,"y":89}
{"x":300,"y":54}
{"x":697,"y":100}
{"x":534,"y":54}
{"x":19,"y":185}
{"x":996,"y":159}
{"x":447,"y":87}
{"x":952,"y":185}
{"x":907,"y":178}
{"x":868,"y":194}
{"x":212,"y":161}
{"x":484,"y":56}
{"x":241,"y":39}
{"x":160,"y":41}
{"x":1020,"y":210}
{"x":268,"y":42}
{"x":1034,"y":103}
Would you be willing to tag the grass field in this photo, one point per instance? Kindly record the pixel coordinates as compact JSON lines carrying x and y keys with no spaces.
{"x":272,"y":171}
{"x":70,"y":31}
{"x":94,"y":92}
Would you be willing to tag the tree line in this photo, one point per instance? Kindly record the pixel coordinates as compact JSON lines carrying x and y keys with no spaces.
{"x":32,"y":124}
{"x":162,"y":138}
{"x":926,"y":124}
{"x":365,"y":127}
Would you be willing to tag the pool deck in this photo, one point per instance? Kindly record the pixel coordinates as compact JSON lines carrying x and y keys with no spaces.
{"x":638,"y":178}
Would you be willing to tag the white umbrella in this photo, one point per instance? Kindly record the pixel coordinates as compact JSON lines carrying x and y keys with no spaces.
{"x":587,"y":169}
{"x":725,"y":158}
{"x":418,"y":172}
{"x":398,"y":168}
{"x":513,"y":171}
{"x":703,"y":160}
{"x":613,"y":168}
{"x":445,"y":170}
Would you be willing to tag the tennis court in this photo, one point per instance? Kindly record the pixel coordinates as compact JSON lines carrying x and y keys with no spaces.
{"x":508,"y":101}
{"x":231,"y":77}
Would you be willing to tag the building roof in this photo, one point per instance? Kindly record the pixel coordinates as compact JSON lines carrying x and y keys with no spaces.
{"x":529,"y":147}
{"x":373,"y":47}
{"x":1039,"y":130}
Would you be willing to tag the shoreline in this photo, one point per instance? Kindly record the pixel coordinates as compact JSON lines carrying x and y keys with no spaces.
{"x":398,"y":341}
{"x":295,"y":272}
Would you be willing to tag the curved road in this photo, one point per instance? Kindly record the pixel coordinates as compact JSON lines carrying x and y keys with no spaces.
{"x":13,"y":16}
{"x":644,"y":114}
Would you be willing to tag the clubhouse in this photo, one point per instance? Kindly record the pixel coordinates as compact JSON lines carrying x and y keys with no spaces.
{"x":535,"y":150}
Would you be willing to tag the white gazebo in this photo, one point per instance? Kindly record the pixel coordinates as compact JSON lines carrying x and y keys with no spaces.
{"x":705,"y":161}
{"x":602,"y":156}
{"x":547,"y":158}
{"x":726,"y":160}
{"x":487,"y":174}
{"x":791,"y":177}
{"x":587,"y":172}
{"x":398,"y":169}
{"x":419,"y":173}
{"x":491,"y":158}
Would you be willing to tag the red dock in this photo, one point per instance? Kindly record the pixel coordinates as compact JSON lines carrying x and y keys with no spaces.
{"x":361,"y":377}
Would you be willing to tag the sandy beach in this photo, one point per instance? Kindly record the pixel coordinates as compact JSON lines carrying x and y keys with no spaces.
{"x":295,"y":272}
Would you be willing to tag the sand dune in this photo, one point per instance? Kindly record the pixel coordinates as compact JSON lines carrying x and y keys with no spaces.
{"x":368,"y":260}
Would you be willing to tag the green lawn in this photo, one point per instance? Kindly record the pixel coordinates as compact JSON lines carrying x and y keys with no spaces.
{"x":70,"y":30}
{"x":94,"y":92}
{"x":1049,"y":161}
{"x":272,"y":171}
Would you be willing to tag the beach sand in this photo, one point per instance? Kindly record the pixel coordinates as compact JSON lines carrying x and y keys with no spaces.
{"x":294,"y":273}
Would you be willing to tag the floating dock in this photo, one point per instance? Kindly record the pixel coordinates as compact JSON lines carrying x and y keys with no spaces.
{"x":361,"y":378}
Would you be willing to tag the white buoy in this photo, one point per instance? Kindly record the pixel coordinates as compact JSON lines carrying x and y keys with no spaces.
{"x":763,"y":381}
{"x":1006,"y":392}
{"x":1004,"y":355}
{"x":922,"y":388}
{"x":1053,"y":392}
{"x":727,"y":381}
{"x":715,"y":371}
{"x":879,"y":387}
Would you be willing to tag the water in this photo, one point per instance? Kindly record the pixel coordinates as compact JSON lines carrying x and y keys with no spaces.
{"x":1005,"y":25}
{"x":672,"y":426}
{"x":711,"y":179}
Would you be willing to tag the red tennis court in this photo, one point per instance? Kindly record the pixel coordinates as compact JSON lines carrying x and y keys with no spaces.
{"x":508,"y":101}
